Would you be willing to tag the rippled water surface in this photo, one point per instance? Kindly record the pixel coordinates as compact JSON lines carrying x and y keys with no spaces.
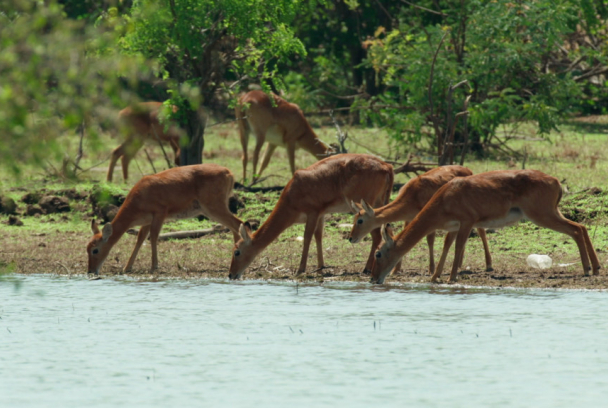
{"x":73,"y":343}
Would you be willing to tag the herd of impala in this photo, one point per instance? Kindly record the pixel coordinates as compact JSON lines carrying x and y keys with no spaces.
{"x":449,"y":198}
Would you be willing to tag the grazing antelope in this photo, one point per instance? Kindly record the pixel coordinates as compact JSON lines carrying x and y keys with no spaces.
{"x":282,"y":124}
{"x":140,"y":123}
{"x":178,"y":193}
{"x":326,"y":187}
{"x":488,"y":200}
{"x":409,"y":202}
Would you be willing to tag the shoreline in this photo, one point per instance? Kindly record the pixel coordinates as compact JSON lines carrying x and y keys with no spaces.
{"x":467,"y":279}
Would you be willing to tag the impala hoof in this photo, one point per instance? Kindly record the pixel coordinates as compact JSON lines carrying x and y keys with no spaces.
{"x":367,"y":272}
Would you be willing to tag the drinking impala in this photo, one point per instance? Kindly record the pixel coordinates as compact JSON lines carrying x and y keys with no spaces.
{"x":326,"y":187}
{"x":488,"y":200}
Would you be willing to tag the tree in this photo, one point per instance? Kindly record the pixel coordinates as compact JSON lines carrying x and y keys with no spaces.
{"x":202,"y":44}
{"x":524,"y":61}
{"x":56,"y":74}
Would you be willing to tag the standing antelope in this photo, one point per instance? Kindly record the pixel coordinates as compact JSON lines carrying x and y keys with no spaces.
{"x":282,"y":124}
{"x":140,"y":123}
{"x":181,"y":192}
{"x":326,"y":187}
{"x":410,"y":201}
{"x":488,"y":200}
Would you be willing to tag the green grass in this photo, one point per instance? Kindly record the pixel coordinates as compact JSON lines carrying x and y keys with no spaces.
{"x":576,"y":155}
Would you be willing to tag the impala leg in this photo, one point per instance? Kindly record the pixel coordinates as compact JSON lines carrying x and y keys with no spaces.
{"x":174,"y":143}
{"x":291,"y":154}
{"x":486,"y":248}
{"x":376,"y":239}
{"x":319,"y":241}
{"x":116,"y":154}
{"x":222,"y":214}
{"x":309,"y":230}
{"x":141,"y":236}
{"x":130,"y":149}
{"x":397,"y":267}
{"x":555,"y":221}
{"x":461,"y":242}
{"x":155,"y":227}
{"x":244,"y":158}
{"x":591,"y":251}
{"x":447,"y":244}
{"x":256,"y":156}
{"x":267,"y":155}
{"x":430,"y":240}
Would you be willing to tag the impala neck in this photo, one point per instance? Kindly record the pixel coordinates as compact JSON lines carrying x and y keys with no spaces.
{"x":120,"y":224}
{"x":312,"y":144}
{"x":420,"y":227}
{"x":398,"y":210}
{"x":281,"y":218}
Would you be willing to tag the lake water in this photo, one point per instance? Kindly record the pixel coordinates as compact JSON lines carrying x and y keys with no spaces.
{"x":124,"y":343}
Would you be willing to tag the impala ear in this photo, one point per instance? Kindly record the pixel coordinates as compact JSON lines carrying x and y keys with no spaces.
{"x":388,"y":239}
{"x":244,"y":232}
{"x":354,"y":207}
{"x":368,"y":208}
{"x":106,"y":232}
{"x":94,"y":227}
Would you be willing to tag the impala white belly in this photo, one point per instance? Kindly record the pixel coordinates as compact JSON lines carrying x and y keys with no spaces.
{"x":512,"y":217}
{"x":194,"y":210}
{"x":339,"y":208}
{"x":274,"y":135}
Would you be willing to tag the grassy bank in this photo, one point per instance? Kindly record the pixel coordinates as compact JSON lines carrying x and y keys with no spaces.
{"x":55,"y":243}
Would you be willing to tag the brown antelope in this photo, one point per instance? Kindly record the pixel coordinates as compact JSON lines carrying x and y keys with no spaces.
{"x":326,"y":187}
{"x":181,"y":192}
{"x":409,"y":202}
{"x":488,"y":200}
{"x":140,"y":123}
{"x":282,"y":124}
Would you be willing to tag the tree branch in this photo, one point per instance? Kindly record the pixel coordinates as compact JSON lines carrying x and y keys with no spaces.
{"x":439,"y":13}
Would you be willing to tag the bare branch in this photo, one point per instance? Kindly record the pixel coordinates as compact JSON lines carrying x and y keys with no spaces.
{"x":430,"y":91}
{"x":409,"y":167}
{"x":439,"y":13}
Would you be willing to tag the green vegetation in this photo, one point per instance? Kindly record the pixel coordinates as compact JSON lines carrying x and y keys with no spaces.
{"x":68,"y":66}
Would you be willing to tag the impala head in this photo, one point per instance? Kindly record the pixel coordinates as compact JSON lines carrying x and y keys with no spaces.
{"x":98,"y":247}
{"x":385,"y":258}
{"x":364,"y":221}
{"x":243,"y":253}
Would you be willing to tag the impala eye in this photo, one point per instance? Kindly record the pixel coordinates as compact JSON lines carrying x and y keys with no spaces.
{"x":95,"y":251}
{"x":237,"y":252}
{"x":378,"y":254}
{"x":360,"y":221}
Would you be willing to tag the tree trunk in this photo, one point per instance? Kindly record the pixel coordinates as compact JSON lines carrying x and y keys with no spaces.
{"x":192,"y":151}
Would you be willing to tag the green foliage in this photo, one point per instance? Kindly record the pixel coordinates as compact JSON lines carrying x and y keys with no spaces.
{"x":57,"y":74}
{"x":508,"y":51}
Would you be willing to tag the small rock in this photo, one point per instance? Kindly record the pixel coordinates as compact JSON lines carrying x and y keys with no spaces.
{"x":254,"y":224}
{"x":7,"y":206}
{"x":31,"y":198}
{"x":33,"y":210}
{"x":108,"y":212}
{"x":54,"y":204}
{"x":12,"y":220}
{"x":235,"y":203}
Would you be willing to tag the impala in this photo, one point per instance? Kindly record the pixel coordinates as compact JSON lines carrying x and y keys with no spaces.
{"x":488,"y":200}
{"x":181,"y":192}
{"x":140,"y":123}
{"x":411,"y":199}
{"x":280,"y":124}
{"x":326,"y":187}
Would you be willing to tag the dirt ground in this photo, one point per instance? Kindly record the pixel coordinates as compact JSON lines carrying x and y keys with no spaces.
{"x":209,"y":258}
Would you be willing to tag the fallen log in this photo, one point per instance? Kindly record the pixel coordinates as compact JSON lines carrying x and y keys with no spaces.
{"x":186,"y":234}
